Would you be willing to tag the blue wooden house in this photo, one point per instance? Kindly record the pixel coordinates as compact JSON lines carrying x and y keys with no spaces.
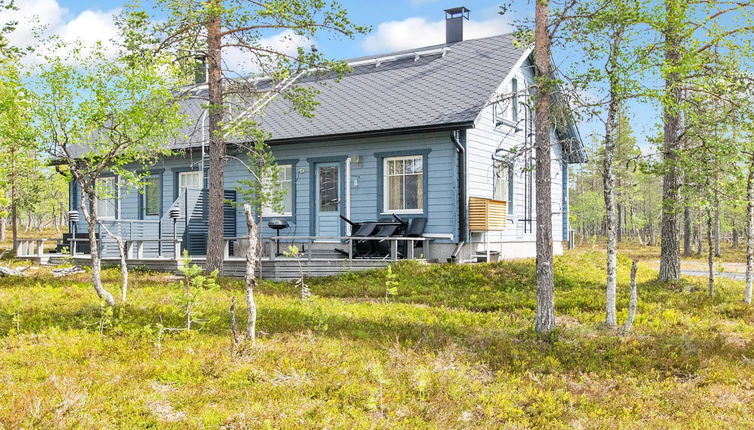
{"x":425,"y":133}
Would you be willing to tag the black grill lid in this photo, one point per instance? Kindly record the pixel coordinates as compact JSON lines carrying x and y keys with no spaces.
{"x":278,"y":224}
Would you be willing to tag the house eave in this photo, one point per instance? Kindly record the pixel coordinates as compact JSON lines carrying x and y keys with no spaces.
{"x":376,"y":133}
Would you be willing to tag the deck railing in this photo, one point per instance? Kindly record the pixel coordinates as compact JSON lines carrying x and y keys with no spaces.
{"x":135,"y":248}
{"x":348,"y":241}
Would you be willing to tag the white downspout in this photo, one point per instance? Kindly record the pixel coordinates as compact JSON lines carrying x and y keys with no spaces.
{"x":348,"y":194}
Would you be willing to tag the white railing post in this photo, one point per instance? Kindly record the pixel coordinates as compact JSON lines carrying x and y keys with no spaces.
{"x":40,"y":248}
{"x":226,"y":250}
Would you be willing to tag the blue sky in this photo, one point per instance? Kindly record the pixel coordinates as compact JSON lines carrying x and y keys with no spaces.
{"x":397,"y":25}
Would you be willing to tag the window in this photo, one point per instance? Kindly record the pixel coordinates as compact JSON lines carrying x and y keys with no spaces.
{"x":152,"y":196}
{"x":514,"y":100}
{"x":404,"y":184}
{"x":106,"y":200}
{"x":503,"y":183}
{"x":285,"y":186}
{"x":189,"y":180}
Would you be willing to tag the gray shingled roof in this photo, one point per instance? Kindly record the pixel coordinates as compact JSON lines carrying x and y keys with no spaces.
{"x":434,"y":90}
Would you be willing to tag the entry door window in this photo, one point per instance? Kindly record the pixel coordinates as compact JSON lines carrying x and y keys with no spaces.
{"x":328,"y":189}
{"x":152,"y":196}
{"x":189,"y":180}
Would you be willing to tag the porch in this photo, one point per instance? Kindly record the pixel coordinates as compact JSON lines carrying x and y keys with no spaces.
{"x":317,"y":256}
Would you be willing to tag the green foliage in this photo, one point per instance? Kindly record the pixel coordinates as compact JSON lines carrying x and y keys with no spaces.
{"x":431,"y":358}
{"x":391,"y":283}
{"x":103,"y":115}
{"x":195,"y":286}
{"x":262,"y":189}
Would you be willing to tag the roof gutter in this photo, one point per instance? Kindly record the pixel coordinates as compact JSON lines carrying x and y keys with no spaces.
{"x":376,"y":133}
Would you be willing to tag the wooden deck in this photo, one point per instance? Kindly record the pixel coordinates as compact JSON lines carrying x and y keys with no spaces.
{"x":278,"y":269}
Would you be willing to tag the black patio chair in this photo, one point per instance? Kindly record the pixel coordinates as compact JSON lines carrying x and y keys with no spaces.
{"x":361,"y":248}
{"x":415,"y":228}
{"x":387,"y":227}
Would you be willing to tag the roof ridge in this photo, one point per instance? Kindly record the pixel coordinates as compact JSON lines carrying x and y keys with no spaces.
{"x":421,"y":48}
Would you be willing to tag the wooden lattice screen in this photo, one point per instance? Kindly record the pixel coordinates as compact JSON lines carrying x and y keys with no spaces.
{"x":487,"y":214}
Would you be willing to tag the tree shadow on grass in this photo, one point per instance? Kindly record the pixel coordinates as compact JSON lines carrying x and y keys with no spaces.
{"x":677,"y":352}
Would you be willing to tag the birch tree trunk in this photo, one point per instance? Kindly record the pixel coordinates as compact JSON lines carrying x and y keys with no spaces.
{"x":710,"y":252}
{"x":3,"y":224}
{"x":699,"y":235}
{"x":633,"y":302}
{"x":686,"y":231}
{"x":91,"y":219}
{"x":717,"y":221}
{"x":251,"y":280}
{"x":545,"y":315}
{"x":611,"y":224}
{"x":749,"y":232}
{"x":122,"y":251}
{"x":216,"y":197}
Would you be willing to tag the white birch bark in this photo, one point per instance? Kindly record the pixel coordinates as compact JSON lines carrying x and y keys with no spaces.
{"x":633,"y":302}
{"x":91,"y":218}
{"x":251,"y":281}
{"x":749,"y":233}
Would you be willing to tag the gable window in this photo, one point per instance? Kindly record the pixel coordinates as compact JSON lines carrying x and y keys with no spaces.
{"x":404,"y":184}
{"x":151,"y":196}
{"x":106,"y":200}
{"x":191,"y":180}
{"x":503,"y":183}
{"x":284,"y":185}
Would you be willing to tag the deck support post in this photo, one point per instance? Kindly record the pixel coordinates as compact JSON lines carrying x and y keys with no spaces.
{"x":394,"y":249}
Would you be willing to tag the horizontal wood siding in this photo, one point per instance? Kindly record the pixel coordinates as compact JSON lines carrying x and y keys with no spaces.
{"x":442,"y":184}
{"x":483,"y":141}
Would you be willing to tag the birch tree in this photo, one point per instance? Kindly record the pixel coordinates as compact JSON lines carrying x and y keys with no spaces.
{"x":97,"y":115}
{"x":607,"y":30}
{"x":259,"y":191}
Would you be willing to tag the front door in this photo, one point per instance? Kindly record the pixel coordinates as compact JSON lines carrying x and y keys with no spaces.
{"x":327,"y":216}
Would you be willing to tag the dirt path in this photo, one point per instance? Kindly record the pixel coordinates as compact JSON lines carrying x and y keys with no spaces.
{"x":735,"y":271}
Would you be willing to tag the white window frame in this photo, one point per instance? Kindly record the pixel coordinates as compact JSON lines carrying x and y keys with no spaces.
{"x":285,"y":178}
{"x":386,"y":185}
{"x":198,"y":173}
{"x":112,"y":202}
{"x":510,"y":187}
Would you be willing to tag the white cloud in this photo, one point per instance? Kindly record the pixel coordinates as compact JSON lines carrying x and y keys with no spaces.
{"x":49,"y":18}
{"x":416,"y":32}
{"x":239,"y":61}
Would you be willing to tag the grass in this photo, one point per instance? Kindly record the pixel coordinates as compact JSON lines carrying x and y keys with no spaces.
{"x":453,"y":349}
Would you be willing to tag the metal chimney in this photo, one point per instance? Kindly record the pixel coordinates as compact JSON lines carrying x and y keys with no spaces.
{"x":454,"y":23}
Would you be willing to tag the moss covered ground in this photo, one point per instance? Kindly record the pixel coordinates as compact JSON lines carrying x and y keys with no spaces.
{"x":454,"y":348}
